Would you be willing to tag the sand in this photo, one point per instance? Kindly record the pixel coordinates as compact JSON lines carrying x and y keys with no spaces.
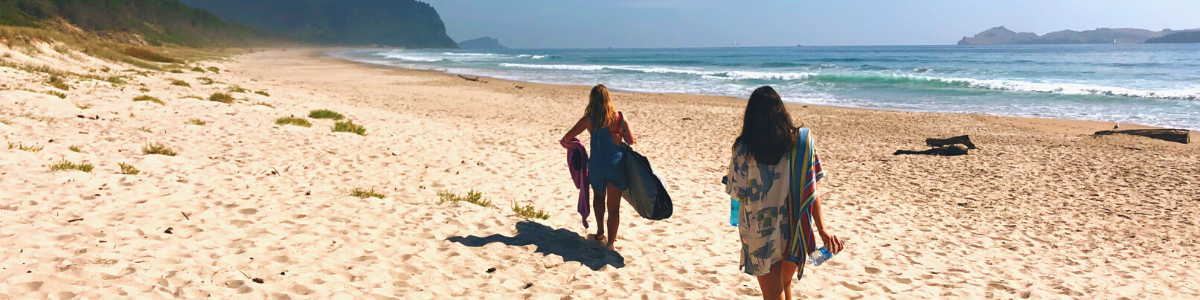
{"x":250,"y":210}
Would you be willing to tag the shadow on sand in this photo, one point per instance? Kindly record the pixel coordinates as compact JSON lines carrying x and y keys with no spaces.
{"x":565,"y":243}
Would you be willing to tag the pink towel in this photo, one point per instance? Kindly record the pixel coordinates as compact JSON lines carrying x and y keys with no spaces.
{"x":577,"y":162}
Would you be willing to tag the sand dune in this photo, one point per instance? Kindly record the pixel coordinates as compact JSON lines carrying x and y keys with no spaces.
{"x":249,"y":209}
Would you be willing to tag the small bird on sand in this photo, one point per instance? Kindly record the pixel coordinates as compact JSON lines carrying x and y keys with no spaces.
{"x":1118,"y":125}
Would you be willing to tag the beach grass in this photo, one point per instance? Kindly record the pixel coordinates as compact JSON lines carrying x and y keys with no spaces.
{"x":23,"y":147}
{"x":128,"y":169}
{"x":197,"y":122}
{"x":214,"y":70}
{"x":293,"y":121}
{"x":58,"y":83}
{"x":58,"y":94}
{"x":149,"y":98}
{"x":175,"y":71}
{"x":115,"y":80}
{"x":264,"y":104}
{"x":144,"y":90}
{"x":147,"y":55}
{"x":325,"y":114}
{"x":264,"y":93}
{"x":178,"y":82}
{"x":349,"y":126}
{"x":237,"y":89}
{"x":67,"y":165}
{"x":143,"y":128}
{"x":75,"y":149}
{"x":198,"y":69}
{"x":205,"y":80}
{"x":156,"y":148}
{"x":221,"y":97}
{"x":83,"y":106}
{"x":529,"y":212}
{"x":362,"y":193}
{"x":472,"y":197}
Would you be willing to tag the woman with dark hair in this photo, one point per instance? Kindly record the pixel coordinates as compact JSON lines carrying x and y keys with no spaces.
{"x":773,"y":174}
{"x":606,"y":167}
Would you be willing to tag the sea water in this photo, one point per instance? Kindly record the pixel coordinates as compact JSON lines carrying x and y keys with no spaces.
{"x":1151,"y":84}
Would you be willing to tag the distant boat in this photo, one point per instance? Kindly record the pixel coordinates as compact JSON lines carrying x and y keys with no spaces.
{"x":799,"y":45}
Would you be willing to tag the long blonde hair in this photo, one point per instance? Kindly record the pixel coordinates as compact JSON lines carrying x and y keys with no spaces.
{"x":600,"y":109}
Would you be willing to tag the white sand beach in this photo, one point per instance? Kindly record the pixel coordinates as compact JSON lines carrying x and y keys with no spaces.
{"x":249,"y":209}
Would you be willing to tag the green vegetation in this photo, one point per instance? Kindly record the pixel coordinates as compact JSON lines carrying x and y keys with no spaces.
{"x":349,"y":126}
{"x":293,"y":121}
{"x":325,"y":114}
{"x":361,"y":193}
{"x":158,"y":22}
{"x":264,"y":104}
{"x":205,"y":80}
{"x":58,"y":83}
{"x":58,"y":94}
{"x":198,"y":69}
{"x":180,"y":83}
{"x":23,"y":147}
{"x":83,"y":106}
{"x":264,"y":93}
{"x":472,"y":197}
{"x":197,"y":122}
{"x":144,"y":90}
{"x":193,"y":97}
{"x":149,"y":98}
{"x":529,"y":212}
{"x":75,"y":149}
{"x":237,"y":89}
{"x":221,"y":97}
{"x":176,"y":71}
{"x":143,"y":128}
{"x":67,"y":165}
{"x":128,"y":169}
{"x":395,"y":23}
{"x":214,"y":70}
{"x":156,"y":148}
{"x":147,"y":55}
{"x":116,"y":80}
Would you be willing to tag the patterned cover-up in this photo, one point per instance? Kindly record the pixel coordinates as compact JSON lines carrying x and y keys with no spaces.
{"x":767,"y":210}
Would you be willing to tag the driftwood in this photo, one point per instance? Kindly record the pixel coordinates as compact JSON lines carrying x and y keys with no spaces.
{"x":965,"y":140}
{"x":953,"y":150}
{"x":475,"y":79}
{"x":1171,"y":135}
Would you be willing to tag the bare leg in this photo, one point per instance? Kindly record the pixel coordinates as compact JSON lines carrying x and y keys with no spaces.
{"x":770,"y":283}
{"x":598,"y":208}
{"x":614,"y":216}
{"x":787,"y":269}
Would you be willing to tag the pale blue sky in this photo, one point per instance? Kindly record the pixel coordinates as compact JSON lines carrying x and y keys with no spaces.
{"x":719,"y":23}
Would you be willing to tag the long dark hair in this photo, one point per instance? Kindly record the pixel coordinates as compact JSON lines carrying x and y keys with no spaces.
{"x":767,"y":130}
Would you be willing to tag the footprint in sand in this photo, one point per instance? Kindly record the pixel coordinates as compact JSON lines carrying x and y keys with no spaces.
{"x":248,"y":211}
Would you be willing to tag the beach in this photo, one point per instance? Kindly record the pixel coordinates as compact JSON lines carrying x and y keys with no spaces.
{"x":249,"y":209}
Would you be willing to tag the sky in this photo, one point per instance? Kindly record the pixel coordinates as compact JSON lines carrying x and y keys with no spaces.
{"x":721,"y":23}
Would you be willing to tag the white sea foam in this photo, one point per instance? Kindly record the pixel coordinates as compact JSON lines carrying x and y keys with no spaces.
{"x":1064,"y":88}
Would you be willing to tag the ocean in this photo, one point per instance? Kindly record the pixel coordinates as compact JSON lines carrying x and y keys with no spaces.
{"x":1156,"y":85}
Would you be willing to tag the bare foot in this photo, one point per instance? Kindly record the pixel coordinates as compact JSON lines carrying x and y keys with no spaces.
{"x":599,"y":238}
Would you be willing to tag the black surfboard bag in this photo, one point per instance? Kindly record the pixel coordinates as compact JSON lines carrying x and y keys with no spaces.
{"x":646,"y":192}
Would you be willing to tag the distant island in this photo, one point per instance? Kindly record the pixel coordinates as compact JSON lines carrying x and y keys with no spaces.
{"x":481,"y":43}
{"x":392,"y":23}
{"x":1004,"y":36}
{"x":1184,"y":37}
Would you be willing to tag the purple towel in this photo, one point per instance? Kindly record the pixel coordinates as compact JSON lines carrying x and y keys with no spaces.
{"x":577,"y":161}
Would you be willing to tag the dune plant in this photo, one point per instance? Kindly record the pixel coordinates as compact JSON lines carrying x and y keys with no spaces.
{"x":264,"y":104}
{"x":58,"y":83}
{"x":214,"y":70}
{"x":115,"y":80}
{"x":221,"y":97}
{"x":58,"y":94}
{"x":237,"y":89}
{"x":349,"y":126}
{"x":472,"y":197}
{"x":264,"y":93}
{"x":83,"y":106}
{"x":75,"y":149}
{"x":143,"y":128}
{"x":128,"y":169}
{"x":325,"y":114}
{"x":205,"y":80}
{"x":197,"y":122}
{"x":180,"y":83}
{"x":529,"y":212}
{"x":362,"y":193}
{"x":149,"y":98}
{"x":156,"y":148}
{"x":147,"y":55}
{"x":293,"y":121}
{"x":198,"y":69}
{"x":23,"y":147}
{"x":67,"y":165}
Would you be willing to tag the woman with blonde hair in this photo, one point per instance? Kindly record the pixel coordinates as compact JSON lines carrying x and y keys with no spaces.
{"x":606,"y":167}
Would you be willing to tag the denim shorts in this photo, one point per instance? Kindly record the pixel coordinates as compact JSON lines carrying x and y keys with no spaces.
{"x":611,"y":171}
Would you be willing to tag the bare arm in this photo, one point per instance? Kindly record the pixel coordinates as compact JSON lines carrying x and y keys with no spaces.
{"x":628,"y":131}
{"x":580,"y":126}
{"x":835,"y":245}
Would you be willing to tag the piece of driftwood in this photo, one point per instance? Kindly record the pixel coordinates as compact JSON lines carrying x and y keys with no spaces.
{"x":964,"y":140}
{"x":1171,"y":135}
{"x":475,"y":79}
{"x":952,"y":150}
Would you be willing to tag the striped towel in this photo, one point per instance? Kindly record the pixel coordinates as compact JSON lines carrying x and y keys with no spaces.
{"x":806,"y":170}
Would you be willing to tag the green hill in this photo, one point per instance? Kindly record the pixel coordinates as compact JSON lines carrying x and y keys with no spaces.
{"x":1186,"y":37}
{"x":395,"y":23}
{"x":157,"y":21}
